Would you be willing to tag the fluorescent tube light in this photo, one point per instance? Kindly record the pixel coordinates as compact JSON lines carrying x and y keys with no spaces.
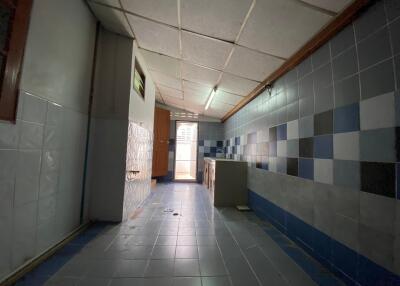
{"x":214,"y":91}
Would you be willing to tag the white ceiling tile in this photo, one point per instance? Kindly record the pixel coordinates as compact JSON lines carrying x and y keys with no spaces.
{"x":195,"y":97}
{"x":216,"y":113}
{"x":252,"y":64}
{"x":114,"y":3}
{"x":281,"y":27}
{"x":111,"y":19}
{"x":174,"y":101}
{"x":164,"y":11}
{"x":166,"y":80}
{"x":157,"y":62}
{"x":155,"y":37}
{"x":218,"y":105}
{"x":226,"y":97}
{"x":237,"y":85}
{"x":170,"y":92}
{"x":196,"y":88}
{"x":193,"y":105}
{"x":221,"y":19}
{"x":199,"y":74}
{"x":334,"y":6}
{"x":205,"y":51}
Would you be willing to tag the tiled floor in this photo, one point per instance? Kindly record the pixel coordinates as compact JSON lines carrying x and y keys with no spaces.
{"x":179,"y":239}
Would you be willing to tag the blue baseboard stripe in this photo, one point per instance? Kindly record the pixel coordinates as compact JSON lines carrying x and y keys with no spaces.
{"x":351,"y":267}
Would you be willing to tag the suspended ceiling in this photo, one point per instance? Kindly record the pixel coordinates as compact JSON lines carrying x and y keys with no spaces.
{"x":191,"y":46}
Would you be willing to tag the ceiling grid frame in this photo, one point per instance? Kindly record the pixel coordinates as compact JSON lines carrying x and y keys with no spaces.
{"x":309,"y":4}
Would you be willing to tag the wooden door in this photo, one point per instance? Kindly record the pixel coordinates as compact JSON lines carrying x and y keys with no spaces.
{"x":161,"y":141}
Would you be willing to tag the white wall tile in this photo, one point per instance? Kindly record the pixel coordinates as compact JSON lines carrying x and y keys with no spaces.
{"x":323,"y":171}
{"x":9,"y":134}
{"x":346,"y":146}
{"x":282,"y":148}
{"x":8,"y":166}
{"x":6,"y":224}
{"x":24,"y":233}
{"x":27,"y":177}
{"x":34,"y":108}
{"x":31,"y":135}
{"x":293,"y":129}
{"x":378,"y":112}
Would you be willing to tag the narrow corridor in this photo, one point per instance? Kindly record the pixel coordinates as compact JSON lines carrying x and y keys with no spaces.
{"x":179,"y":238}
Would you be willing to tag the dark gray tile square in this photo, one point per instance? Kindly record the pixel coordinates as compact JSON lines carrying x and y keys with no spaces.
{"x":324,"y":99}
{"x":374,"y":49}
{"x":304,"y":68}
{"x":306,"y":86}
{"x":306,"y":106}
{"x":378,"y":178}
{"x":306,"y":147}
{"x":347,"y":91}
{"x":395,"y":36}
{"x":322,"y":76}
{"x":321,"y":56}
{"x":377,"y":80}
{"x":370,"y":20}
{"x":378,"y":145}
{"x":343,"y":40}
{"x":345,"y":64}
{"x":323,"y":123}
{"x":292,"y":166}
{"x":346,"y":173}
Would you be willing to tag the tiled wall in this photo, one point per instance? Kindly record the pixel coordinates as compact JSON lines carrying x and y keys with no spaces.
{"x":42,"y":154}
{"x":210,"y":144}
{"x":324,"y":145}
{"x":42,"y":159}
{"x":139,"y":158}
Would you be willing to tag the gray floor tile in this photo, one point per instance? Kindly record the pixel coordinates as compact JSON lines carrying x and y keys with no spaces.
{"x":131,"y":268}
{"x":186,"y":252}
{"x":216,"y":281}
{"x":187,"y":267}
{"x":157,"y":268}
{"x":187,"y":281}
{"x":212,"y":267}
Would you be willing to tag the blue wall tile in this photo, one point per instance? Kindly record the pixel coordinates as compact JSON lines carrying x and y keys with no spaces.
{"x":306,"y":168}
{"x":352,"y":267}
{"x":237,"y":140}
{"x":323,"y":147}
{"x":282,"y":132}
{"x":347,"y":118}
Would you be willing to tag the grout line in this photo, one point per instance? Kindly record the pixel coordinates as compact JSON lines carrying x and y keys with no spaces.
{"x":317,"y":8}
{"x":391,"y":48}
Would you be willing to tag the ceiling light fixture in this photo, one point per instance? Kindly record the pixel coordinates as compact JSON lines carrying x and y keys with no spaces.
{"x":214,"y":91}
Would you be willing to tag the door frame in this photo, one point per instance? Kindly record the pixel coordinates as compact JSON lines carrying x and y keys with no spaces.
{"x":197,"y":152}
